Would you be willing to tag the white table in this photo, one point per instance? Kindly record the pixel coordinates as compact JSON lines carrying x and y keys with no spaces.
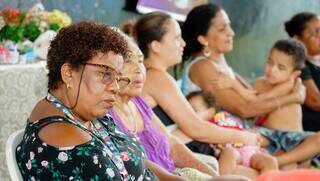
{"x":21,"y":86}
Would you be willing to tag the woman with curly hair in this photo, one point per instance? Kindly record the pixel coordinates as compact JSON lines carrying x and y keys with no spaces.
{"x":67,"y":136}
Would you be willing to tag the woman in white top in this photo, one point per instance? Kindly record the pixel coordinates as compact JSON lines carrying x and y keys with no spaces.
{"x":208,"y":36}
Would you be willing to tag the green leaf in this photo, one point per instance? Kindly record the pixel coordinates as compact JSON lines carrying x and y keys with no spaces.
{"x":31,"y":31}
{"x":21,"y":17}
{"x":54,"y":27}
{"x":14,"y":33}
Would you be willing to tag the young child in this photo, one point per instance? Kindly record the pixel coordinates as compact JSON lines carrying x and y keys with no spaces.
{"x":231,"y":156}
{"x":282,"y":127}
{"x":283,"y":66}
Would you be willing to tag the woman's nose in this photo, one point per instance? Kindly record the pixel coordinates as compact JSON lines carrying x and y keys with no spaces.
{"x":114,"y":87}
{"x":183,"y":43}
{"x":231,"y":32}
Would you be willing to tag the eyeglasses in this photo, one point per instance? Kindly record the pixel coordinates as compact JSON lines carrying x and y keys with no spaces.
{"x":110,"y":75}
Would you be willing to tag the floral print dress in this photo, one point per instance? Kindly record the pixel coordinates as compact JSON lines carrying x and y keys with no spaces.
{"x":88,"y":161}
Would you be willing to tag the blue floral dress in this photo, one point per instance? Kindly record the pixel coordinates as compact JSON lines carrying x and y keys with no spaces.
{"x":89,"y":161}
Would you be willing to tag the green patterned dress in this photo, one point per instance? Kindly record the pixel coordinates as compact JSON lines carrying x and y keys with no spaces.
{"x":89,"y":161}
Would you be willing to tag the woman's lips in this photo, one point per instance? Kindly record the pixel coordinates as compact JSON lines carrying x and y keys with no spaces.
{"x":137,"y":82}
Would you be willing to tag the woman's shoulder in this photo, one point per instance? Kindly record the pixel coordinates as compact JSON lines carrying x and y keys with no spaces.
{"x":203,"y":65}
{"x":159,"y":80}
{"x":63,"y":134}
{"x":42,"y":111}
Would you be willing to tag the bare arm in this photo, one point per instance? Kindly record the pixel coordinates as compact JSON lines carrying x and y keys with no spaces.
{"x":313,"y":95}
{"x":262,"y":90}
{"x":161,"y":173}
{"x":180,"y":154}
{"x":161,"y":88}
{"x":223,"y":81}
{"x":201,"y":73}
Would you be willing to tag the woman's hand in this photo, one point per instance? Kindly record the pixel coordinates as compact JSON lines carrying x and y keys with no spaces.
{"x":207,"y":114}
{"x":300,"y":91}
{"x":250,"y":138}
{"x":249,"y":94}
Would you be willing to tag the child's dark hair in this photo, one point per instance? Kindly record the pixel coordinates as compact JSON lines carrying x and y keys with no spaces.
{"x":209,"y":99}
{"x":294,"y":49}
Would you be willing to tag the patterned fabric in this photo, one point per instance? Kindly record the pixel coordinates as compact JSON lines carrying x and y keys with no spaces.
{"x":283,"y":140}
{"x":227,"y":120}
{"x":191,"y":174}
{"x":155,"y":143}
{"x":109,"y":155}
{"x":110,"y":149}
{"x":89,"y":161}
{"x":21,"y":86}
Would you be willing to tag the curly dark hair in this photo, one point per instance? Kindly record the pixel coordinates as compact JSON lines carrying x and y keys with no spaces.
{"x":197,"y":23}
{"x":294,"y":49}
{"x":297,"y":23}
{"x":79,"y":43}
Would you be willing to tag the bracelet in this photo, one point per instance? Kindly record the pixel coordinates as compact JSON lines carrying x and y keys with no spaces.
{"x":278,"y":102}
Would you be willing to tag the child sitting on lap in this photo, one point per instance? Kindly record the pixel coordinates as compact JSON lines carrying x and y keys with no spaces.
{"x":283,"y":126}
{"x":233,"y":155}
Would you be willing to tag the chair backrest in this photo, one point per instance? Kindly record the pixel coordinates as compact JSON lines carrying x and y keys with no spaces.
{"x":11,"y":145}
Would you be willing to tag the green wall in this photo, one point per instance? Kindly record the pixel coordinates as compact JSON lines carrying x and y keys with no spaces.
{"x":257,"y":23}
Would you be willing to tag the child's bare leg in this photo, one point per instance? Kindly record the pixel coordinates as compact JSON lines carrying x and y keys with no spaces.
{"x":246,"y":171}
{"x":264,"y":162}
{"x":228,"y":160}
{"x":309,"y":148}
{"x":290,"y":166}
{"x":229,"y":164}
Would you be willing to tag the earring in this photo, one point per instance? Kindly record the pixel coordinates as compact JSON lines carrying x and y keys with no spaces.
{"x":68,"y":86}
{"x":206,"y":51}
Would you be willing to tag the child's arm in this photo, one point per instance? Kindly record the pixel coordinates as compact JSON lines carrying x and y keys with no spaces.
{"x":262,"y":90}
{"x":266,"y":91}
{"x":225,"y":82}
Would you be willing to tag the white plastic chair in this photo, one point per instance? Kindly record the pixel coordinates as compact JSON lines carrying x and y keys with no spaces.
{"x":11,"y":145}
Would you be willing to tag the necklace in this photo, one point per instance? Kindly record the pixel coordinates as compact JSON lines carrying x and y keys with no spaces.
{"x":131,"y":117}
{"x":110,"y":148}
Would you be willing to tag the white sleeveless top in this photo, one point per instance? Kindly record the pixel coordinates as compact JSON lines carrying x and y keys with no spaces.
{"x":188,"y":86}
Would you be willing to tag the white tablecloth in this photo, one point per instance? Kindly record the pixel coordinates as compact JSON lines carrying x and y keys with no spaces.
{"x":21,"y":86}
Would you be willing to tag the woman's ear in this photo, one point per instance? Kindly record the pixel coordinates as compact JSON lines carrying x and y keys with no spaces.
{"x":155,"y":46}
{"x":202,"y":40}
{"x":66,"y":73}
